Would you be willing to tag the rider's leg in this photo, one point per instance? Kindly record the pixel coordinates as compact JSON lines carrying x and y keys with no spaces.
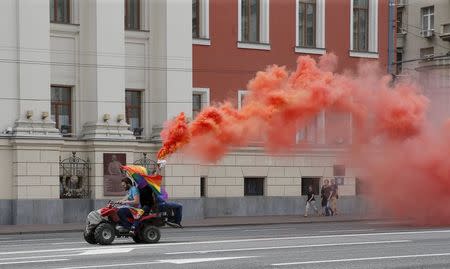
{"x":124,"y":213}
{"x":178,"y":211}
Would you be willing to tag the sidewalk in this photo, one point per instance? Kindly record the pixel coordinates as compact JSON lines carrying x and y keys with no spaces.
{"x":209,"y":222}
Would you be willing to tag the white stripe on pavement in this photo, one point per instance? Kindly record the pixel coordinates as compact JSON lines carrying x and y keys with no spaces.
{"x":109,"y":265}
{"x":364,"y":259}
{"x":37,"y":261}
{"x":31,"y":240}
{"x":106,"y":251}
{"x":37,"y":257}
{"x":197,"y":260}
{"x":44,"y":244}
{"x":338,"y":231}
{"x":231,"y":241}
{"x":287,"y":247}
{"x":173,"y":261}
{"x":269,"y":229}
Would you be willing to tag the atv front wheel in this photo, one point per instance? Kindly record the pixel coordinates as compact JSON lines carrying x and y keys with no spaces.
{"x":104,"y":234}
{"x":150,"y":234}
{"x":89,"y":237}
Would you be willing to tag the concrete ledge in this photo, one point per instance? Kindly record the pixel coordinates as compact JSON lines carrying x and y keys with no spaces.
{"x":75,"y":211}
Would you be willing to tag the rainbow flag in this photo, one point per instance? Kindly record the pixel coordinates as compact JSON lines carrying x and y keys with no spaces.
{"x":140,"y":175}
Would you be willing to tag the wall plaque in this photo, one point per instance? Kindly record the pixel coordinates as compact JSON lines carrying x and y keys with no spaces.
{"x":112,"y":175}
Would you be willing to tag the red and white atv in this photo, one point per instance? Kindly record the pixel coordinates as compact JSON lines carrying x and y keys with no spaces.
{"x":101,"y":226}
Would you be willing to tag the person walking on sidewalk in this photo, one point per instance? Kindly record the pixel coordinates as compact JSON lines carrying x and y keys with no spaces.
{"x":333,"y":197}
{"x":310,"y":201}
{"x":325,"y":194}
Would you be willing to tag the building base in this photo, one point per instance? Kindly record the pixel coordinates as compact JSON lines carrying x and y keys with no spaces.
{"x":75,"y":210}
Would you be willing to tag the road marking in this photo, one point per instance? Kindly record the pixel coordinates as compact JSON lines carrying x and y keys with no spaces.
{"x":337,"y":231}
{"x":38,"y":261}
{"x":364,"y":259}
{"x":70,"y":243}
{"x":197,"y":260}
{"x":109,"y":265}
{"x":45,"y":244}
{"x":269,"y":229}
{"x":37,"y":257}
{"x":175,"y":261}
{"x":32,"y":240}
{"x":231,"y":241}
{"x":106,"y":251}
{"x":287,"y":247}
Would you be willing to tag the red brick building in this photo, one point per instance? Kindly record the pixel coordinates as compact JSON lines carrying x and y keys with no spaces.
{"x":233,"y":39}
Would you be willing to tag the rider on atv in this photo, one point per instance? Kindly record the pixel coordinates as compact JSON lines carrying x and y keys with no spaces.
{"x":130,"y":202}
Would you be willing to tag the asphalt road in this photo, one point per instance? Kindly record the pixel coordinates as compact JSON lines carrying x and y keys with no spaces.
{"x":314,"y":245}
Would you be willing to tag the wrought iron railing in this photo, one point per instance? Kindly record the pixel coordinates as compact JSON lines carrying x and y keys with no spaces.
{"x":74,"y":178}
{"x":148,"y":163}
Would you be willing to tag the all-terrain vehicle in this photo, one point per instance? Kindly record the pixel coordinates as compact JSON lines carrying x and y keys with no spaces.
{"x":101,"y":226}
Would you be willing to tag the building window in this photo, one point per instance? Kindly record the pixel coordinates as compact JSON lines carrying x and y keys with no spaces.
{"x":314,"y":182}
{"x":203,"y":187}
{"x":400,"y":27}
{"x":309,"y":134}
{"x":132,"y":15}
{"x":195,"y":18}
{"x":60,"y":11}
{"x":361,"y":186}
{"x":427,"y":54}
{"x":360,"y":25}
{"x":250,"y":21}
{"x":307,"y":23}
{"x":253,"y":24}
{"x":200,"y":22}
{"x":196,"y":104}
{"x":133,"y":101}
{"x":61,"y":108}
{"x":339,"y":170}
{"x":399,"y":59}
{"x":254,"y":186}
{"x":241,"y":98}
{"x":427,"y":18}
{"x":200,"y":100}
{"x":364,"y":29}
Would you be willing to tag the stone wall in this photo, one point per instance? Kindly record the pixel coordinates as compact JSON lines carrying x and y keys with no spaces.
{"x":75,"y":211}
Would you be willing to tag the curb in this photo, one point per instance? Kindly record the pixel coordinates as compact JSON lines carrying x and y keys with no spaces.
{"x":303,"y":221}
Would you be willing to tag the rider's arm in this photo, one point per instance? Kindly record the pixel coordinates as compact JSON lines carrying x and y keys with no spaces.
{"x":136,"y":197}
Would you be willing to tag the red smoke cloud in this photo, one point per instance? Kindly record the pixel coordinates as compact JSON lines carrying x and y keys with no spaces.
{"x":406,"y":166}
{"x":280,"y":103}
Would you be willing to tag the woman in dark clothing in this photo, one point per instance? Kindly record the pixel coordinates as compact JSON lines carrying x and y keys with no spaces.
{"x":325,"y":194}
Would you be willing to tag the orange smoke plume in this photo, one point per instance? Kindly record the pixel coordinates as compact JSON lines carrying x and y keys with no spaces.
{"x":280,"y":103}
{"x":175,"y":135}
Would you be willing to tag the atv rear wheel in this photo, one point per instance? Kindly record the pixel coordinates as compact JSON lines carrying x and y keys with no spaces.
{"x":104,"y":234}
{"x":89,"y":237}
{"x":150,"y":234}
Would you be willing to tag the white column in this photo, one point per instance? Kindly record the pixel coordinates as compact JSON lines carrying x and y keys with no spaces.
{"x":102,"y":71}
{"x":170,"y":59}
{"x":33,"y":57}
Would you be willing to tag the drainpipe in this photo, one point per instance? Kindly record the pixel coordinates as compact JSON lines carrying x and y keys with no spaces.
{"x":391,"y":36}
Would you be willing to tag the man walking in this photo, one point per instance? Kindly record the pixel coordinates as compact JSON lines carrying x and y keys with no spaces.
{"x":333,"y":197}
{"x":325,"y":194}
{"x":310,"y":201}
